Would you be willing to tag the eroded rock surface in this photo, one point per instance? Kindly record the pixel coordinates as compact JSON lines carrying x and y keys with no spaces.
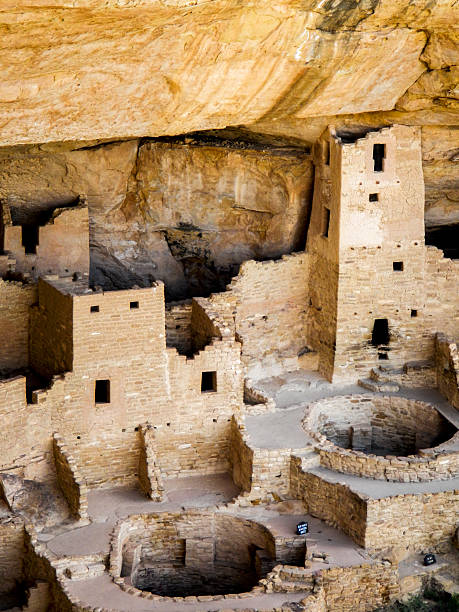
{"x":88,"y":69}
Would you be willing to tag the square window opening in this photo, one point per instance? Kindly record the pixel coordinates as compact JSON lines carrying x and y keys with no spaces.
{"x":95,"y":309}
{"x":397,"y":266}
{"x":379,"y":155}
{"x":383,"y":356}
{"x":30,"y":239}
{"x":380,"y":335}
{"x":414,"y":312}
{"x":133,"y":305}
{"x":208,"y":382}
{"x":326,"y":222}
{"x":102,"y":392}
{"x":373,"y":197}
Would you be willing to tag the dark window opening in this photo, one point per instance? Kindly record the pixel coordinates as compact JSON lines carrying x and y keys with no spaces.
{"x":326,"y":222}
{"x":380,"y":335}
{"x":397,"y":266}
{"x":94,"y":308}
{"x":414,"y":313}
{"x":444,"y":238}
{"x":208,"y":382}
{"x":383,"y":356}
{"x":133,"y":305}
{"x":379,"y":154}
{"x":373,"y":197}
{"x":102,"y":392}
{"x":327,"y":153}
{"x":30,"y":238}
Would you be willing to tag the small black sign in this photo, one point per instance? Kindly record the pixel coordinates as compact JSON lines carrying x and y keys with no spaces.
{"x":302,"y":528}
{"x":429,"y":559}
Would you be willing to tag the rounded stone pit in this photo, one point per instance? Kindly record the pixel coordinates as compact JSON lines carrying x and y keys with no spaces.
{"x":192,"y":553}
{"x":383,"y":437}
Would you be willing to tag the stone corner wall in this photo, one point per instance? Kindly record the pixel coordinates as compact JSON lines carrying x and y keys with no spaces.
{"x":178,"y":326}
{"x":16,"y":298}
{"x":264,"y":474}
{"x":150,"y":479}
{"x":70,"y":481}
{"x":447,"y":365}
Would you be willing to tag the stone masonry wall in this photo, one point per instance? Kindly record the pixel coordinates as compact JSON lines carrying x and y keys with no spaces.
{"x":412,"y":523}
{"x":178,"y":326}
{"x":269,"y":301}
{"x":334,"y":503}
{"x":12,"y":552}
{"x":122,"y":341}
{"x":386,"y":272}
{"x":447,"y":368}
{"x":63,"y":244}
{"x":264,"y":474}
{"x":15,"y":301}
{"x":51,"y":330}
{"x":27,"y":449}
{"x":150,"y":479}
{"x":351,"y":429}
{"x":70,"y":480}
{"x":404,"y":523}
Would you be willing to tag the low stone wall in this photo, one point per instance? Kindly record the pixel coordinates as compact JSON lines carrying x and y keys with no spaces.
{"x":411,"y":523}
{"x":360,"y":588}
{"x":261,"y":472}
{"x":334,"y":503}
{"x":69,"y":479}
{"x":255,"y":400}
{"x":363,"y":421}
{"x":150,"y":478}
{"x":406,"y":523}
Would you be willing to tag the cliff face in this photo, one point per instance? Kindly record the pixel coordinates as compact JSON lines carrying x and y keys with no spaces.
{"x":86,"y":69}
{"x":79,"y":73}
{"x":187,"y":214}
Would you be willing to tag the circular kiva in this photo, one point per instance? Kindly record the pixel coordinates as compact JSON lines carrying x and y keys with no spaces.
{"x":383,"y":437}
{"x":191,"y":553}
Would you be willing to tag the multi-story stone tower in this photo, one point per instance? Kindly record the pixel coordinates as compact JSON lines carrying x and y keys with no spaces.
{"x":373,"y":281}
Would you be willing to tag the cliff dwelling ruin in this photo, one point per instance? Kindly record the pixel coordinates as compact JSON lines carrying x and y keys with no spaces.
{"x":229,"y":307}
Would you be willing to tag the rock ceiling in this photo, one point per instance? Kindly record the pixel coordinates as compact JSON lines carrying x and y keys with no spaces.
{"x":94,"y":69}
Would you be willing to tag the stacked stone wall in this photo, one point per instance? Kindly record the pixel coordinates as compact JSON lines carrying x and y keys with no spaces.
{"x":12,"y":550}
{"x":122,"y":341}
{"x":51,"y":330}
{"x":349,"y":428}
{"x":177,"y":549}
{"x":62,"y":248}
{"x":269,"y":301}
{"x":411,"y":523}
{"x":150,"y":479}
{"x":334,"y":503}
{"x":403,"y":523}
{"x":26,"y":450}
{"x":264,"y":474}
{"x":15,"y":301}
{"x":178,"y":326}
{"x":447,"y":368}
{"x":70,"y":480}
